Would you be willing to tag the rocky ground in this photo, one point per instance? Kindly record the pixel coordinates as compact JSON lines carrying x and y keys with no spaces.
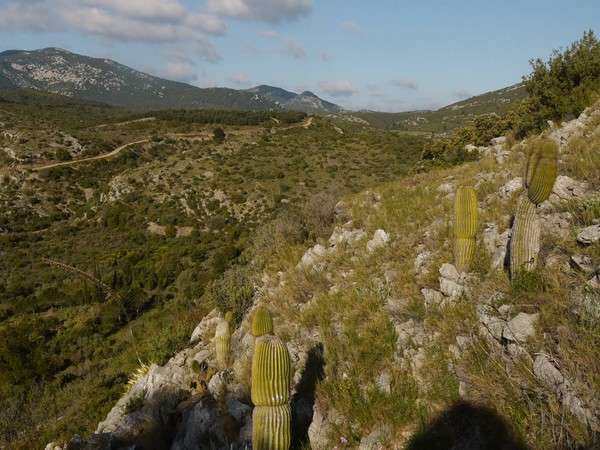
{"x":386,"y":335}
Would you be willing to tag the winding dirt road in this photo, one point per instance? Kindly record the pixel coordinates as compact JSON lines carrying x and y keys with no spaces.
{"x":115,"y":152}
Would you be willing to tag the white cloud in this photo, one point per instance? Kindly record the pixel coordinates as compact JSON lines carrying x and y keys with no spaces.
{"x":405,"y":84}
{"x":325,"y":56}
{"x":181,"y":69}
{"x":148,"y":21}
{"x":292,"y":48}
{"x":240,"y":79}
{"x":337,"y":88}
{"x":269,"y":34}
{"x":351,"y":27}
{"x":263,"y":10}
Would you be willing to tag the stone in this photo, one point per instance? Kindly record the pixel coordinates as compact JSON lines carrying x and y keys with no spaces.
{"x":450,"y":288}
{"x":238,"y":410}
{"x":421,"y":262}
{"x":491,"y":324}
{"x":496,"y":244}
{"x":589,"y":235}
{"x":312,"y":256}
{"x":53,"y":446}
{"x":384,"y":382}
{"x":206,"y":327}
{"x":583,"y":264}
{"x":375,"y":440}
{"x":512,"y":186}
{"x":446,"y":188}
{"x":449,"y":272}
{"x":521,"y":327}
{"x":566,"y":188}
{"x":500,"y":140}
{"x":380,"y":239}
{"x":217,"y":385}
{"x":432,"y":297}
{"x":321,"y":427}
{"x":547,"y":372}
{"x":342,"y":236}
{"x":557,"y":224}
{"x":200,"y":423}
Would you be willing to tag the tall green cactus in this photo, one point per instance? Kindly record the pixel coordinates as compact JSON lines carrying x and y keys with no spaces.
{"x":541,"y":169}
{"x":262,"y":322}
{"x":271,"y":427}
{"x":271,"y":375}
{"x":525,"y":239}
{"x":223,"y":343}
{"x":465,"y":227}
{"x":270,"y":372}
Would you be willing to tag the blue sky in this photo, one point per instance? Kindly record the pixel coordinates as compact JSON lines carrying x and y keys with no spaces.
{"x":384,"y":55}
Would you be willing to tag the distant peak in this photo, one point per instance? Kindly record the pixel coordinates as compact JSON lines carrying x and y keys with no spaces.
{"x":308,"y":94}
{"x":54,"y":50}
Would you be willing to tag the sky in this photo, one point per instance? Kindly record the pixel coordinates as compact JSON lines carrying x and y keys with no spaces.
{"x":386,"y":55}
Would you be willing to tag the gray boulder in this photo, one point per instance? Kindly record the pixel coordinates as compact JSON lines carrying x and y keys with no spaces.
{"x":589,"y":235}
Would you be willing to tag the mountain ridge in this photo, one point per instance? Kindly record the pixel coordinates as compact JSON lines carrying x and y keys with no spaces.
{"x":103,"y":80}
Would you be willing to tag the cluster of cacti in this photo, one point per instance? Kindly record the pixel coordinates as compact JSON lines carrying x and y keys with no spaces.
{"x":271,"y":375}
{"x":223,"y":341}
{"x":465,"y":227}
{"x":262,"y":323}
{"x":540,"y":174}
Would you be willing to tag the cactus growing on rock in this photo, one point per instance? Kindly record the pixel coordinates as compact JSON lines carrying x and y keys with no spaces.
{"x":541,"y":170}
{"x":271,"y":428}
{"x":525,"y":240}
{"x":262,"y":323}
{"x":465,"y":227}
{"x":271,"y":375}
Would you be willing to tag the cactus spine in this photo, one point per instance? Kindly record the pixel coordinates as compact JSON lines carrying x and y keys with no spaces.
{"x":262,"y":323}
{"x":465,"y":227}
{"x":541,"y":170}
{"x":525,"y":240}
{"x":271,"y":375}
{"x":223,"y":343}
{"x":271,"y":427}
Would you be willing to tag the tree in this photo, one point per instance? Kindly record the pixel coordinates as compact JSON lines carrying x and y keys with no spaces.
{"x":218,"y":135}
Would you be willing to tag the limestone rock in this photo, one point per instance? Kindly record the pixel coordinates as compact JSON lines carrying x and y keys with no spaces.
{"x":512,"y":186}
{"x":343,"y":236}
{"x":521,"y":327}
{"x":206,"y":327}
{"x":566,"y":188}
{"x":583,"y":264}
{"x":312,"y":257}
{"x":380,"y":239}
{"x":589,"y":235}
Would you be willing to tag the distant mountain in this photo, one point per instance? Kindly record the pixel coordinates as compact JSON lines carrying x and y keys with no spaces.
{"x":103,"y":80}
{"x":306,"y":101}
{"x":443,"y":119}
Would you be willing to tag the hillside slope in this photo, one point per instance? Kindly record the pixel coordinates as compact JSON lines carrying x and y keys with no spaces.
{"x":446,"y":118}
{"x":392,"y":348}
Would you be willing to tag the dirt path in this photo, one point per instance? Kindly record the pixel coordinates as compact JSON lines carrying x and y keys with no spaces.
{"x":118,"y":124}
{"x":116,"y":151}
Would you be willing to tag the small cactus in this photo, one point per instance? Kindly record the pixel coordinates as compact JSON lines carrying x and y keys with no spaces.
{"x":271,"y":428}
{"x":525,"y":240}
{"x":465,"y":227}
{"x":271,"y":369}
{"x":262,"y":323}
{"x":541,"y":170}
{"x":222,"y":344}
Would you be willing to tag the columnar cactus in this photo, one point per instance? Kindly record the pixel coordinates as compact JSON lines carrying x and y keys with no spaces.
{"x":541,"y":170}
{"x":271,"y":374}
{"x":222,"y":343}
{"x":525,"y":240}
{"x":262,"y":323}
{"x":271,"y":427}
{"x":465,"y":227}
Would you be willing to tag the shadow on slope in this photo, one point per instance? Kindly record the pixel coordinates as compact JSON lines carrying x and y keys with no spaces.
{"x":304,"y":400}
{"x":466,"y":426}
